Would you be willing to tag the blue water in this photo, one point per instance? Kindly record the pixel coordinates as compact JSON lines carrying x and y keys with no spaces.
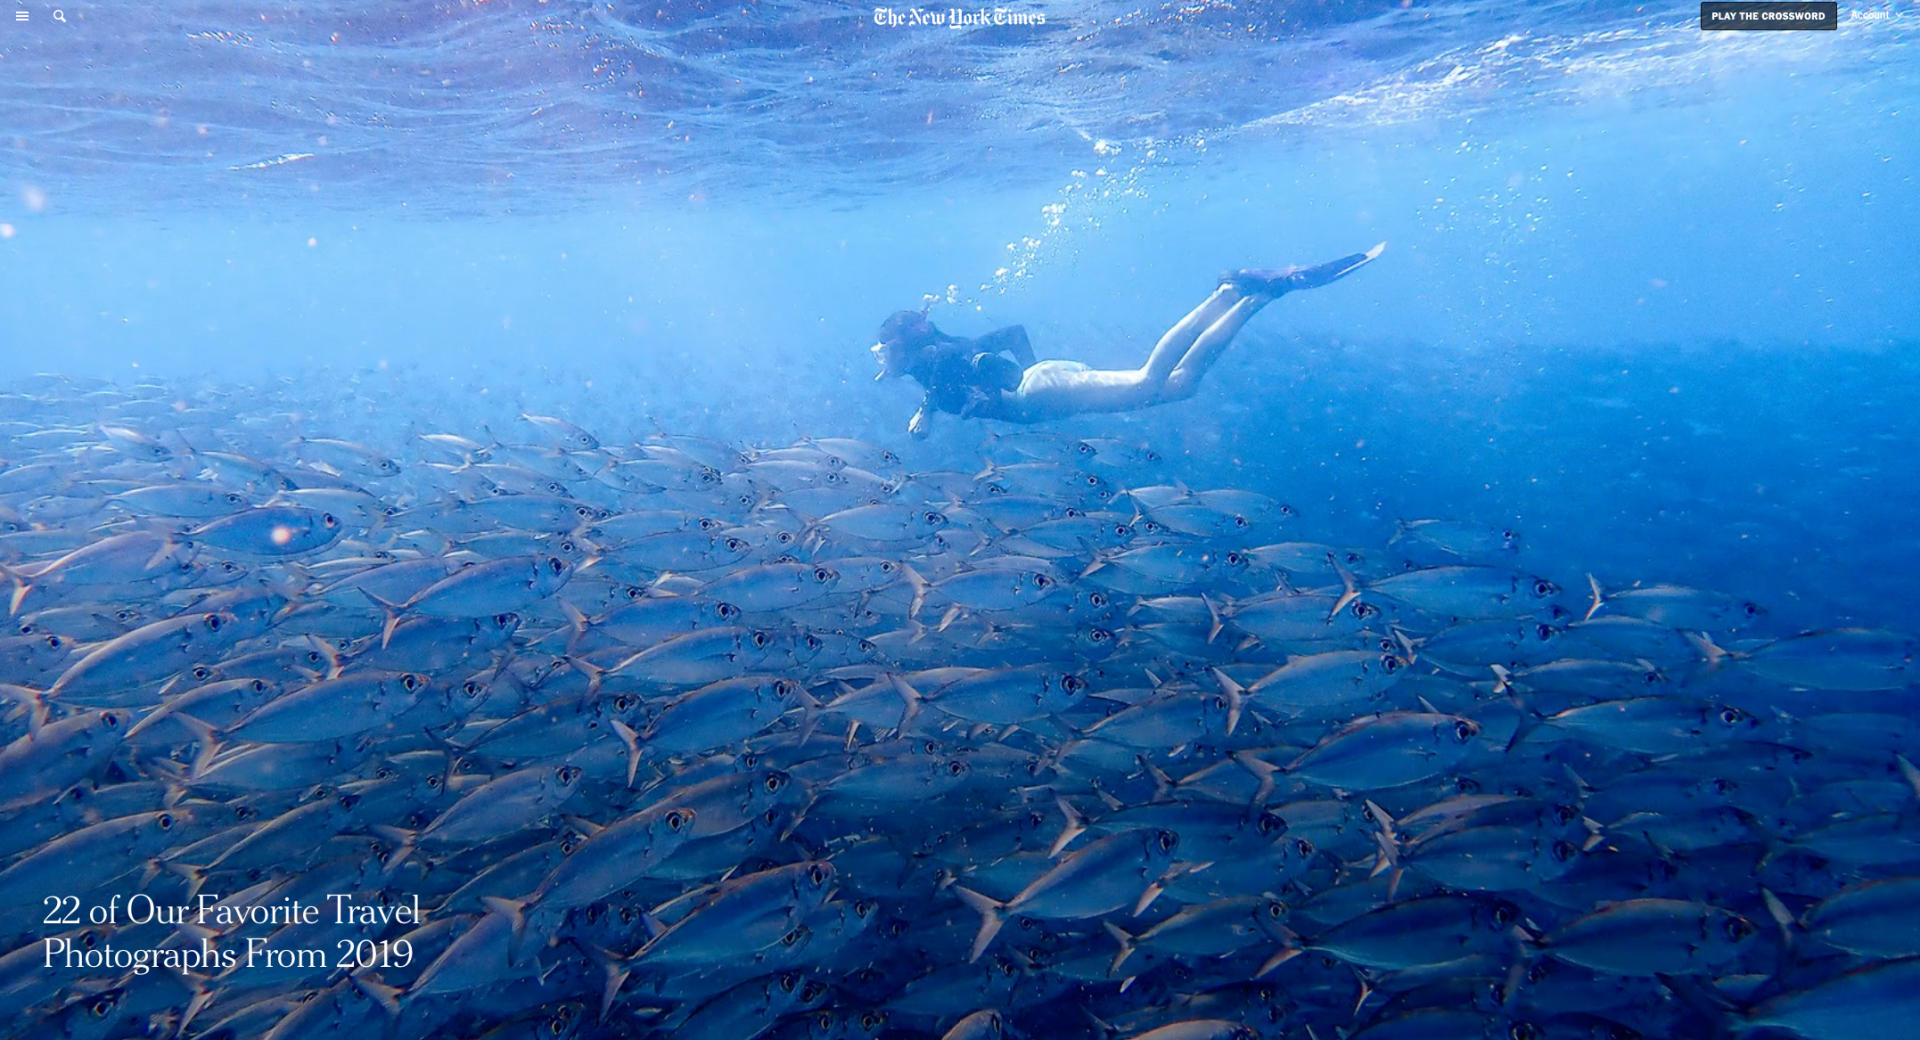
{"x":1648,"y":295}
{"x":1647,"y":290}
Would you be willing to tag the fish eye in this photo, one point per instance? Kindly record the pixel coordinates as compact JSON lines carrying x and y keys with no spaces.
{"x":623,"y":702}
{"x":1737,"y":928}
{"x":1363,"y":611}
{"x":213,"y":621}
{"x":1504,"y":914}
{"x":567,"y":774}
{"x":103,"y":1005}
{"x":556,"y":564}
{"x":784,"y":538}
{"x":1099,"y":635}
{"x":1303,"y":847}
{"x":1072,"y":683}
{"x":472,"y":688}
{"x":760,"y":640}
{"x":434,"y":782}
{"x":55,"y":642}
{"x":1389,"y":663}
{"x":567,"y":546}
{"x":1465,"y":730}
{"x":1041,"y":581}
{"x":817,"y":875}
{"x":1543,"y":632}
{"x":409,"y":682}
{"x":735,"y":545}
{"x":1564,"y":851}
{"x":1234,"y":559}
{"x":1167,"y":840}
{"x":258,"y":686}
{"x":727,"y":611}
{"x":933,"y":517}
{"x":813,"y":642}
{"x":383,"y":773}
{"x":955,"y":767}
{"x":110,"y":719}
{"x":1523,"y":1031}
{"x":502,"y":619}
{"x":707,"y":523}
{"x":329,"y":520}
{"x":676,"y":819}
{"x":202,"y":672}
{"x":823,"y":575}
{"x":1544,"y":588}
{"x":1732,"y":716}
{"x":1097,"y":599}
{"x":1272,"y":825}
{"x":773,"y":783}
{"x":1751,"y":610}
{"x":165,"y":820}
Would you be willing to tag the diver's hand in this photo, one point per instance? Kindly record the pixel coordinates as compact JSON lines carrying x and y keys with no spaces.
{"x":919,"y":426}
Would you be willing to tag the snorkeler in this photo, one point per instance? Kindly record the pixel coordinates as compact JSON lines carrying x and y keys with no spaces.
{"x":975,"y":378}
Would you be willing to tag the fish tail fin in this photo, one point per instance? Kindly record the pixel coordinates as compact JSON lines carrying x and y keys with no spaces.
{"x":1125,"y":942}
{"x":594,"y":673}
{"x":1236,"y":695}
{"x":915,"y":582}
{"x":993,"y":914}
{"x":612,"y":966}
{"x":392,"y":610}
{"x":632,"y":741}
{"x":1599,"y":597}
{"x":388,"y":997}
{"x":1349,"y":587}
{"x":578,"y":624}
{"x":21,"y":586}
{"x":912,"y":698}
{"x":515,"y":913}
{"x":1385,"y":839}
{"x":1076,"y":825}
{"x":1214,"y":624}
{"x":1263,"y":770}
{"x":1164,"y":786}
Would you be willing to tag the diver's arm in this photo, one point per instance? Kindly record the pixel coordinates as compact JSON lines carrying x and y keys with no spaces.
{"x":1012,"y":340}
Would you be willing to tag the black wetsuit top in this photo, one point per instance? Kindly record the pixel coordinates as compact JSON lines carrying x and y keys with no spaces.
{"x":955,"y":370}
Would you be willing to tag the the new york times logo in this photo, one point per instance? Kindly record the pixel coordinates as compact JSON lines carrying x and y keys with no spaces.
{"x":1769,"y":16}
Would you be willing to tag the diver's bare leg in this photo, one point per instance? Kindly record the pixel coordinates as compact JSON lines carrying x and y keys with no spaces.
{"x":1057,"y":389}
{"x":1179,"y":339}
{"x":1260,"y":288}
{"x":1207,"y":348}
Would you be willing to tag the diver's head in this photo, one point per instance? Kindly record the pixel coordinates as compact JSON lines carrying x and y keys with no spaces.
{"x":903,"y":336}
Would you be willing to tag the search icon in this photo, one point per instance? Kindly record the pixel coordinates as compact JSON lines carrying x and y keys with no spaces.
{"x":60,"y":16}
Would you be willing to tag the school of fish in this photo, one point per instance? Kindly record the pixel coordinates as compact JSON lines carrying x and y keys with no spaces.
{"x":686,"y":738}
